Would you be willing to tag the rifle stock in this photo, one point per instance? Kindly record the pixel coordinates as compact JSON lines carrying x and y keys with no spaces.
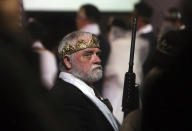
{"x":130,"y":100}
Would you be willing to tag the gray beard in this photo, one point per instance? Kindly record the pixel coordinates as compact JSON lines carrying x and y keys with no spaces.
{"x":92,"y":76}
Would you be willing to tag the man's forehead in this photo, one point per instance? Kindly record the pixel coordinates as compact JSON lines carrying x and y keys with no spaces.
{"x":94,"y":50}
{"x":91,"y":49}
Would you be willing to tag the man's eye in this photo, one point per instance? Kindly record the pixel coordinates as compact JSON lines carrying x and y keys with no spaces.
{"x":88,"y":54}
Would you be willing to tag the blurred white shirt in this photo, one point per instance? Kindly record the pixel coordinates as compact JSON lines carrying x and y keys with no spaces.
{"x":48,"y":65}
{"x":118,"y":65}
{"x":91,"y":28}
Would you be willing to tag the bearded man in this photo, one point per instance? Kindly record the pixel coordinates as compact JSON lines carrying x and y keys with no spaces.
{"x":80,"y":67}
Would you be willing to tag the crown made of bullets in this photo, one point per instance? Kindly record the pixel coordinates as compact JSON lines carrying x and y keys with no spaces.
{"x":80,"y":45}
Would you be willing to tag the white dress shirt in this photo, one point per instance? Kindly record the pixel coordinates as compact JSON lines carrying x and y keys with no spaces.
{"x":91,"y":28}
{"x":145,"y":29}
{"x":118,"y":65}
{"x":48,"y":65}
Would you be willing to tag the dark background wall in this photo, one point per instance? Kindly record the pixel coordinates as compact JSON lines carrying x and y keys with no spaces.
{"x":61,"y":23}
{"x":58,"y":24}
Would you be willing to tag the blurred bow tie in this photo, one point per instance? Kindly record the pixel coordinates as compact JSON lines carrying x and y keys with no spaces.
{"x":105,"y":101}
{"x":108,"y":104}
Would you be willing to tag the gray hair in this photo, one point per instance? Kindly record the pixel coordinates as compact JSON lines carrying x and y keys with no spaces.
{"x":70,"y":39}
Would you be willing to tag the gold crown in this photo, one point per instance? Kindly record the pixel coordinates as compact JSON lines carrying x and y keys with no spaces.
{"x":80,"y":45}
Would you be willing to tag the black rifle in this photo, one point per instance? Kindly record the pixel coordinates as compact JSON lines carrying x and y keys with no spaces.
{"x":130,"y":100}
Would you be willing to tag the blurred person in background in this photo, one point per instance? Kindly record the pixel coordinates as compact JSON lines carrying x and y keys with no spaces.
{"x":117,"y":66}
{"x":88,"y":19}
{"x":166,"y":99}
{"x":172,"y":21}
{"x":13,"y":20}
{"x":48,"y":62}
{"x":143,"y":12}
{"x":117,"y":28}
{"x":25,"y":104}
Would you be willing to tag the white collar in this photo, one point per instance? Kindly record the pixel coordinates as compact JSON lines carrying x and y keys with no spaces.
{"x":75,"y":81}
{"x":37,"y":44}
{"x":88,"y":91}
{"x":91,"y":28}
{"x":146,"y":29}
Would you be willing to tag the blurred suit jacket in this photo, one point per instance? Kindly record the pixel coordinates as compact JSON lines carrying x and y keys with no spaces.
{"x":80,"y":113}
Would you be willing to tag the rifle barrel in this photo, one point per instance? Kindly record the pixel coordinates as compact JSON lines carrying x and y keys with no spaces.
{"x":132,"y":45}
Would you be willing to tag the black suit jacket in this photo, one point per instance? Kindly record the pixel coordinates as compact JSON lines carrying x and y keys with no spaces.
{"x":79,"y":112}
{"x":152,"y":47}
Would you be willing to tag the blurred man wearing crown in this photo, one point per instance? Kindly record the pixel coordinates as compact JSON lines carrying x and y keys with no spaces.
{"x":80,"y":67}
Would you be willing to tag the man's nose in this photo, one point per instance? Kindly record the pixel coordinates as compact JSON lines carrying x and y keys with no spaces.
{"x":97,"y":59}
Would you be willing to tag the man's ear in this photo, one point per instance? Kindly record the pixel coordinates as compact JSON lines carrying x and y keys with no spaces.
{"x":67,"y":62}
